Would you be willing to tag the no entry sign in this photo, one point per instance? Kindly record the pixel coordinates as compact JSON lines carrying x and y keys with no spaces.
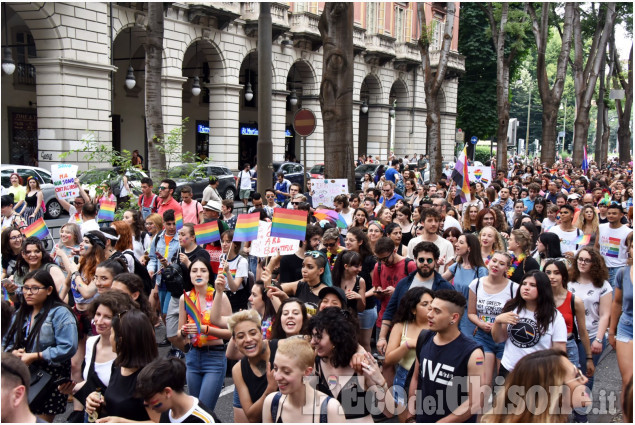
{"x":304,"y":122}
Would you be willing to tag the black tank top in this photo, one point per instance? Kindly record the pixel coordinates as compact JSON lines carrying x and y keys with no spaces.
{"x":257,"y":384}
{"x":441,"y":367}
{"x":352,"y":397}
{"x":310,"y":300}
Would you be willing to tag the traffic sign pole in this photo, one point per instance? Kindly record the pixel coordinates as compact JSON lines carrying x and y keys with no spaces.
{"x":304,"y":123}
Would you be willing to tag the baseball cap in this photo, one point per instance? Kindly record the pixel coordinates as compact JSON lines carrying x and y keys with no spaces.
{"x":339,"y":292}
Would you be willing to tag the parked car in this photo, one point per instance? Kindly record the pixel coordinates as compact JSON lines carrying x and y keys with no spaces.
{"x":197,"y":177}
{"x":317,"y":172}
{"x":53,"y":207}
{"x":91,"y":179}
{"x":360,"y":170}
{"x":292,"y":171}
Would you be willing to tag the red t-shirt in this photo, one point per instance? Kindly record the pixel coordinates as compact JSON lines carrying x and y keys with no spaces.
{"x":390,"y":276}
{"x":565,"y":310}
{"x":170,"y":205}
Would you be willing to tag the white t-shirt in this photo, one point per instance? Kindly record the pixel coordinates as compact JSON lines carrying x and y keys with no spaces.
{"x":590,"y":296}
{"x":348,"y":218}
{"x":245,"y":180}
{"x":567,"y":239}
{"x":445,"y":249}
{"x":89,"y":225}
{"x":101,"y":369}
{"x":523,"y":338}
{"x":488,"y":306}
{"x":547,"y":224}
{"x":75,"y":217}
{"x":613,"y":244}
{"x":239,"y":267}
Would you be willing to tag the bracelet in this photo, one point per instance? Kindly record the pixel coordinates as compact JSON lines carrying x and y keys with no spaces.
{"x":381,"y":339}
{"x":598,"y":340}
{"x":589,"y":358}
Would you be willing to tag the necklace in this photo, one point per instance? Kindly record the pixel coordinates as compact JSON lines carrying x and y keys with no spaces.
{"x":314,"y":286}
{"x":515,"y":264}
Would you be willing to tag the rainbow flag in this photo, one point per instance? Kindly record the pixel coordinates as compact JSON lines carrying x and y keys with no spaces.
{"x":585,"y":162}
{"x":106,"y":210}
{"x":192,"y":311}
{"x":178,"y":219}
{"x":461,"y":176}
{"x":207,"y":233}
{"x":289,"y":224}
{"x":567,"y":180}
{"x":5,"y":294}
{"x":583,"y":240}
{"x":247,"y":227}
{"x":37,"y":229}
{"x":331,"y":215}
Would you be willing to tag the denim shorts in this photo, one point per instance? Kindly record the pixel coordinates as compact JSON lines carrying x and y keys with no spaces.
{"x":164,"y":298}
{"x":398,"y":389}
{"x":624,"y":330}
{"x":367,"y":318}
{"x":572,"y":352}
{"x":236,"y":402}
{"x":488,"y":344}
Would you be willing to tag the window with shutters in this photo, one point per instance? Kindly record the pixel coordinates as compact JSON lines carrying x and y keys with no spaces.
{"x":400,"y":30}
{"x":437,"y":33}
{"x":371,"y":18}
{"x":300,"y":7}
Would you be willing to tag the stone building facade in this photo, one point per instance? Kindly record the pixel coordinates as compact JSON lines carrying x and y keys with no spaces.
{"x":72,"y":60}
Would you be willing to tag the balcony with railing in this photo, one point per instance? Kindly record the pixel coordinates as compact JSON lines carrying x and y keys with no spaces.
{"x":407,"y":55}
{"x":456,"y":63}
{"x":24,"y":75}
{"x":279,"y":18}
{"x":380,"y":48}
{"x":223,"y":13}
{"x":304,"y":26}
{"x":359,"y":39}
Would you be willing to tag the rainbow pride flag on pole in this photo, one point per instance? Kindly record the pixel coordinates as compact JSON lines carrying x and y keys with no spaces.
{"x":583,"y":240}
{"x":289,"y":224}
{"x":566,"y":180}
{"x":192,"y":311}
{"x":323,"y":214}
{"x":206,"y":233}
{"x":37,"y":229}
{"x":461,"y":176}
{"x":178,"y":219}
{"x":106,"y":210}
{"x":247,"y":227}
{"x":585,"y":162}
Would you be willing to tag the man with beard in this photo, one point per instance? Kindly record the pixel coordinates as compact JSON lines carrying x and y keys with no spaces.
{"x":426,"y":255}
{"x":431,"y":220}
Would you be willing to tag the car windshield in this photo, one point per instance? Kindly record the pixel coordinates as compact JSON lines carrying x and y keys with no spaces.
{"x":181,"y":171}
{"x":317,"y":169}
{"x":366,"y":168}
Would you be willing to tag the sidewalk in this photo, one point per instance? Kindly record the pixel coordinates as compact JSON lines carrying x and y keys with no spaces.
{"x":607,"y":390}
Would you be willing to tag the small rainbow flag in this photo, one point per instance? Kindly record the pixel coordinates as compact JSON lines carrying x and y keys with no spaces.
{"x":583,"y":240}
{"x":37,"y":229}
{"x":178,"y":219}
{"x":5,"y":294}
{"x":106,"y":210}
{"x":192,"y":311}
{"x":207,"y":233}
{"x":567,"y":180}
{"x":247,"y":227}
{"x":289,"y":224}
{"x":323,"y":214}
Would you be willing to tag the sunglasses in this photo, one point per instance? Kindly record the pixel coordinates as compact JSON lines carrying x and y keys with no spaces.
{"x":314,"y":254}
{"x":425,"y":260}
{"x":295,"y":203}
{"x":330,"y":245}
{"x":163,"y":188}
{"x":385,"y":259}
{"x":578,"y":376}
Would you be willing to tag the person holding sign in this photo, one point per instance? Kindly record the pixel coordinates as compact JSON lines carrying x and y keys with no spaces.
{"x":206,"y":362}
{"x":75,"y":209}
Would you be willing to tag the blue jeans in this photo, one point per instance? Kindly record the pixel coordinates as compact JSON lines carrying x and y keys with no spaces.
{"x":612,"y":273}
{"x":205,"y":374}
{"x":579,"y":413}
{"x":253,"y":264}
{"x":572,"y":352}
{"x":399,"y":391}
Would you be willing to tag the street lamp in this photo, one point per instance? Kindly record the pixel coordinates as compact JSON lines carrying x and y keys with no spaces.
{"x":196,"y":86}
{"x":391,"y":111}
{"x":8,"y":65}
{"x":249,"y":93}
{"x":364,"y":107}
{"x":130,"y":78}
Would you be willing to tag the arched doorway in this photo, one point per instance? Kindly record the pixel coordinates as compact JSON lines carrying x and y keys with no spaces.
{"x":399,"y":128}
{"x":300,"y":83}
{"x":128,"y":118}
{"x":248,"y":115}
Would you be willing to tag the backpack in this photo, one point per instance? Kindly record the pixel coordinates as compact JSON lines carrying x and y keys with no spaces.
{"x":153,"y":203}
{"x":141,"y":271}
{"x":115,"y":186}
{"x":172,"y":276}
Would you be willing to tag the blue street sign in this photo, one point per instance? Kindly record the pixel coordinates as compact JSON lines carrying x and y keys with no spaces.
{"x":474,"y":140}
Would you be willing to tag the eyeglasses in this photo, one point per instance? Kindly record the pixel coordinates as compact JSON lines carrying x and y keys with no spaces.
{"x":270,"y":196}
{"x":578,"y":376}
{"x":386,"y":190}
{"x":295,"y":203}
{"x":425,"y":260}
{"x":330,"y":245}
{"x":163,"y":188}
{"x":585,"y":260}
{"x":385,"y":259}
{"x":32,"y":289}
{"x":15,"y":238}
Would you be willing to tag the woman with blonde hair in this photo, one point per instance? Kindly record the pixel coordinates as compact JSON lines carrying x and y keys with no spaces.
{"x":519,"y":245}
{"x":589,"y":222}
{"x":491,"y":241}
{"x":546,"y":369}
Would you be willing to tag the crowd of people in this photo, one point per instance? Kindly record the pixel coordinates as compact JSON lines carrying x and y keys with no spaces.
{"x":423,"y":308}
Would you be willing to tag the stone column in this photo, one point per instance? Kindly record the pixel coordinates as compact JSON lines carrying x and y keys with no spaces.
{"x":315,"y":142}
{"x":224,"y":104}
{"x":172,"y":100}
{"x":378,"y":136}
{"x":73,"y":103}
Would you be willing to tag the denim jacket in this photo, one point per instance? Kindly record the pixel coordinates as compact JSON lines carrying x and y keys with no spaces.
{"x":159,"y":246}
{"x":57,"y":340}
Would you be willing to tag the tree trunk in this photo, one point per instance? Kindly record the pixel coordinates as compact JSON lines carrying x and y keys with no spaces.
{"x":336,"y":90}
{"x":153,"y":107}
{"x":586,"y":75}
{"x":600,"y":125}
{"x":550,"y":97}
{"x":606,"y":132}
{"x":433,"y":80}
{"x":624,"y":108}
